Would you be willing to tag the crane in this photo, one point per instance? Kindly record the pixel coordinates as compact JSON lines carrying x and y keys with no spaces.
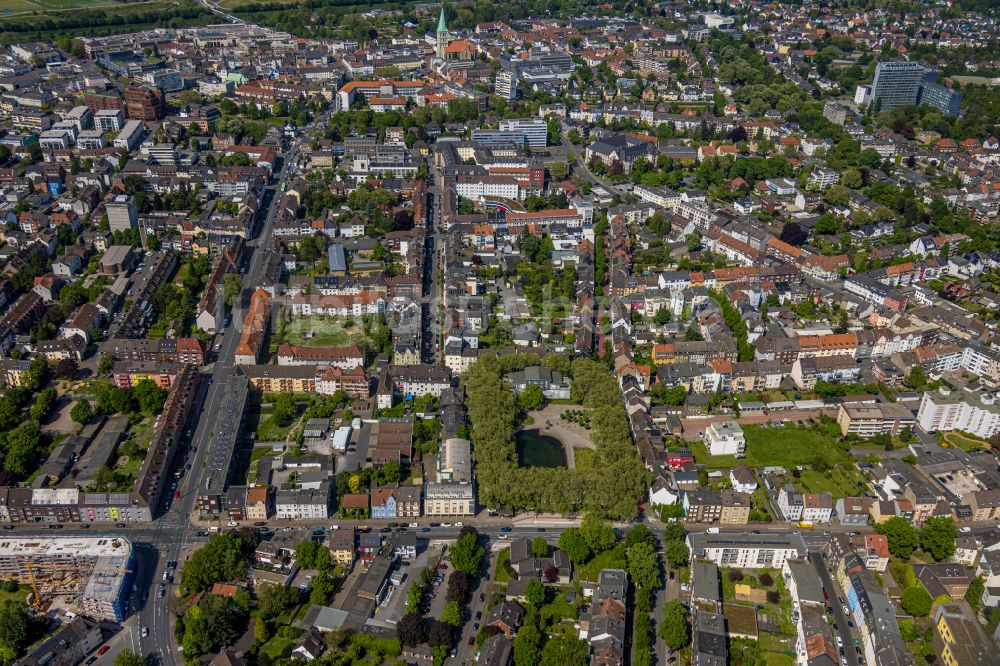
{"x":31,"y":567}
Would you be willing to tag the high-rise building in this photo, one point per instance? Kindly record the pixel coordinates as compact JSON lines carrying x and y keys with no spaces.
{"x":896,"y":84}
{"x":122,"y":214}
{"x":442,"y":34}
{"x":945,"y":100}
{"x":506,"y":84}
{"x":144,"y":103}
{"x":535,"y":130}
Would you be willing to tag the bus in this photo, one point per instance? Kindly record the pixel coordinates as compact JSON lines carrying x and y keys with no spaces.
{"x":805,"y":524}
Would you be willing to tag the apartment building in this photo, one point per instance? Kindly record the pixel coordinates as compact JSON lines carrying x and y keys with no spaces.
{"x":948,"y":409}
{"x":868,"y":420}
{"x":725,"y":438}
{"x":745,"y":550}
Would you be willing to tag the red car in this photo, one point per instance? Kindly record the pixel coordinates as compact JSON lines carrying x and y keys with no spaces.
{"x":442,"y":566}
{"x":104,"y":648}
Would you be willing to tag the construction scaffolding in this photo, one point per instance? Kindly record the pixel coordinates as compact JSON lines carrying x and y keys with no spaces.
{"x":96,"y":571}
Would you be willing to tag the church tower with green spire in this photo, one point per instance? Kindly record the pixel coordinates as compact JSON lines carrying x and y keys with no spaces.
{"x":442,"y":34}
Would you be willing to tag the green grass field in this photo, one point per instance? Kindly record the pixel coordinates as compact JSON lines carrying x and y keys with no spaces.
{"x":840,"y":482}
{"x":18,"y":8}
{"x":964,"y":442}
{"x":317,"y":331}
{"x":787,"y":446}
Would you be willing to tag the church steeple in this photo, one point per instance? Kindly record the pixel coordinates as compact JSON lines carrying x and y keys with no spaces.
{"x":442,"y":25}
{"x":442,"y":34}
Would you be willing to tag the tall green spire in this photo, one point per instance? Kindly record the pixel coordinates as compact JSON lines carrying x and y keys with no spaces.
{"x":442,"y":26}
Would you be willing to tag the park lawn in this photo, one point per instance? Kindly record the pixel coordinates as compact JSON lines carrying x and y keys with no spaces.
{"x":609,"y":559}
{"x":789,"y":446}
{"x":964,"y":442}
{"x":841,"y":481}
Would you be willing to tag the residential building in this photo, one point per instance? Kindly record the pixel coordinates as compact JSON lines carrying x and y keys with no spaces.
{"x":946,"y":410}
{"x":725,"y":438}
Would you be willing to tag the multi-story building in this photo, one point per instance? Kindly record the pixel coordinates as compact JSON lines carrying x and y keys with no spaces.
{"x":143,"y":103}
{"x":130,"y":136}
{"x":534,"y":130}
{"x":341,"y":543}
{"x":946,"y":410}
{"x":449,"y":499}
{"x":875,"y":618}
{"x":122,"y":214}
{"x":725,"y":438}
{"x":866,"y":420}
{"x":896,"y":84}
{"x":945,"y":100}
{"x":108,"y":120}
{"x":97,"y":569}
{"x":506,"y":85}
{"x":304,"y":504}
{"x":959,"y":639}
{"x":746,"y":551}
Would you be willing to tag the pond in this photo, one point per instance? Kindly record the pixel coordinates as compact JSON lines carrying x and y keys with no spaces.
{"x":537,"y":450}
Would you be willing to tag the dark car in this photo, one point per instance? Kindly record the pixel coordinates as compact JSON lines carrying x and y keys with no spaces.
{"x":8,"y":527}
{"x":55,"y":526}
{"x":505,"y":529}
{"x":260,"y":523}
{"x":91,"y":660}
{"x":425,"y":529}
{"x":435,"y":524}
{"x":540,"y":529}
{"x":479,"y":615}
{"x":119,"y":525}
{"x":85,"y":526}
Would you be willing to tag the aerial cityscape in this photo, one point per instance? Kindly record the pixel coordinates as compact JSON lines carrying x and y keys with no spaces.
{"x":646,"y":333}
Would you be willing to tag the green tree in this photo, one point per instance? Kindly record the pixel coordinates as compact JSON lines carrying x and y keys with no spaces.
{"x":106,"y":364}
{"x":284,"y":410}
{"x":223,"y":558}
{"x":306,"y":552}
{"x":901,"y":535}
{"x":128,"y":658}
{"x":150,"y":397}
{"x":677,"y":553}
{"x":974,"y":594}
{"x":534,"y":592}
{"x":321,"y":588}
{"x":916,"y":601}
{"x":937,"y":537}
{"x":452,"y":614}
{"x":597,"y":532}
{"x":531,"y":397}
{"x":563,"y":650}
{"x":572,"y":542}
{"x":467,"y":554}
{"x":81,"y":412}
{"x":674,"y":629}
{"x":539,"y":547}
{"x":916,"y":379}
{"x":231,"y":286}
{"x":644,"y":566}
{"x":44,"y":402}
{"x":527,"y":646}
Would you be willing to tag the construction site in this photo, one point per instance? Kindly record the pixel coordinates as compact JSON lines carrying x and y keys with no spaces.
{"x":92,"y":574}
